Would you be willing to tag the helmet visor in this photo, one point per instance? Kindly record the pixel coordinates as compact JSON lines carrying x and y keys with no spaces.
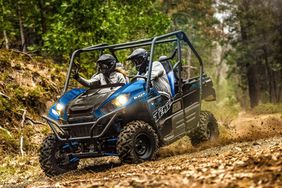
{"x":138,"y":61}
{"x":105,"y":68}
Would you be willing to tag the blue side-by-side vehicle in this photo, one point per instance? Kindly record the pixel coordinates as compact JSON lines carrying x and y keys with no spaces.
{"x":130,"y":120}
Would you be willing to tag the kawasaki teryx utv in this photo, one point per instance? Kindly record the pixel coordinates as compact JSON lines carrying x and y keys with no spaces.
{"x":131,"y":120}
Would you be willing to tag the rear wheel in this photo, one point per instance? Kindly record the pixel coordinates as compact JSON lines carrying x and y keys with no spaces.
{"x":53,"y":157}
{"x":137,"y":142}
{"x":207,"y":129}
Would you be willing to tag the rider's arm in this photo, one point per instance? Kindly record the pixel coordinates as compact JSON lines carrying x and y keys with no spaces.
{"x":157,"y":70}
{"x":93,"y":82}
{"x":121,"y":78}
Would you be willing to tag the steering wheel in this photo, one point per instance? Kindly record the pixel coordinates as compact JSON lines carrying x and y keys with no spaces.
{"x":139,"y":76}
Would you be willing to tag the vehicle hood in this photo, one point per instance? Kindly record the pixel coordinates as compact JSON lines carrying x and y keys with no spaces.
{"x":84,"y":105}
{"x":90,"y":100}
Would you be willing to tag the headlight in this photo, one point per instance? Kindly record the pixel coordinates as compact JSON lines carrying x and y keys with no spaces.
{"x":59,"y":108}
{"x":115,"y":103}
{"x":120,"y":100}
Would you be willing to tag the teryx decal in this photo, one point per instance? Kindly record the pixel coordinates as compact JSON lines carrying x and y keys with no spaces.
{"x":158,"y":114}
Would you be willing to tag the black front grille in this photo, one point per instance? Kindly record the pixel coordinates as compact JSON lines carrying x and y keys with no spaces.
{"x":80,"y":131}
{"x":80,"y":118}
{"x":81,"y":110}
{"x":83,"y":130}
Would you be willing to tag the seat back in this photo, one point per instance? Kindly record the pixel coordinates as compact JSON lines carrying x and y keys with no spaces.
{"x":170,"y":74}
{"x":171,"y":80}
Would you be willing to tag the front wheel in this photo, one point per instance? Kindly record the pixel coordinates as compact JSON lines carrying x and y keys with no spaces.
{"x":206,"y":130}
{"x":53,"y":157}
{"x":137,"y":142}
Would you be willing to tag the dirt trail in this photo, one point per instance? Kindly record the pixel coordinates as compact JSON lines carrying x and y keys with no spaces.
{"x":240,"y":164}
{"x":248,"y":154}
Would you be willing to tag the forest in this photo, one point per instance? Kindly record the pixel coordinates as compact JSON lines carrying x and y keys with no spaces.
{"x":240,"y":42}
{"x":243,"y":35}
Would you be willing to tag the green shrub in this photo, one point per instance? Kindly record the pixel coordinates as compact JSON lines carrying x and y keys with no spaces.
{"x":4,"y":63}
{"x":8,"y":140}
{"x":4,"y":104}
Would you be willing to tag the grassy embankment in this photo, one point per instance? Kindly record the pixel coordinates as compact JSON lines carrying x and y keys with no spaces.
{"x":27,"y":84}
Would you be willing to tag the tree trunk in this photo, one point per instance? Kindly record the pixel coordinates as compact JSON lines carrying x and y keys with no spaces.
{"x":43,"y":19}
{"x":222,"y":51}
{"x":6,"y":39}
{"x":21,"y":30}
{"x":269,"y":73}
{"x":276,"y":84}
{"x":253,"y":85}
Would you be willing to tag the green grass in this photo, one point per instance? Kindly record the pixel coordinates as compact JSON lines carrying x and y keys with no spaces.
{"x":9,"y":141}
{"x":7,"y":171}
{"x":267,"y":108}
{"x":4,"y":104}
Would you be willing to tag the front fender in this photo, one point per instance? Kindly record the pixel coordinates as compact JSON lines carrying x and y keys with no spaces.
{"x":64,"y":101}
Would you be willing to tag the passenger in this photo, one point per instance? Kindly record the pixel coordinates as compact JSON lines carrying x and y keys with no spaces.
{"x":120,"y":68}
{"x":108,"y":75}
{"x":140,"y":58}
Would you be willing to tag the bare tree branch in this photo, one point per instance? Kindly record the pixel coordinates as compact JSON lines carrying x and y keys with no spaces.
{"x":24,"y":53}
{"x":5,"y":96}
{"x":23,"y":118}
{"x":30,"y":119}
{"x":21,"y":138}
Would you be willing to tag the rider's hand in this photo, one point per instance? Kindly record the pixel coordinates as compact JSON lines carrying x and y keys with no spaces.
{"x":159,"y":74}
{"x":75,"y":74}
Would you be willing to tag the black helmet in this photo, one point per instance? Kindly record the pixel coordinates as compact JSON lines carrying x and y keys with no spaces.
{"x":107,"y":64}
{"x":139,"y":57}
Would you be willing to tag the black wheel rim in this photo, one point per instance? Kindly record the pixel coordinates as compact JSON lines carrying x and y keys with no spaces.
{"x":210,"y":131}
{"x":143,"y":146}
{"x":61,"y":157}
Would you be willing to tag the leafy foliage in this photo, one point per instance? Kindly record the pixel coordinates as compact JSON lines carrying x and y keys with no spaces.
{"x":58,"y":27}
{"x":251,"y":47}
{"x":197,"y":19}
{"x":254,"y":55}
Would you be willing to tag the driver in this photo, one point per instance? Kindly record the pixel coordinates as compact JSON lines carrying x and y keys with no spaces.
{"x":158,"y":76}
{"x":108,"y":74}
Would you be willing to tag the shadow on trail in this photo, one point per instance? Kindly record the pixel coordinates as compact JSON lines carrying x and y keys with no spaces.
{"x":100,"y":167}
{"x":97,"y":165}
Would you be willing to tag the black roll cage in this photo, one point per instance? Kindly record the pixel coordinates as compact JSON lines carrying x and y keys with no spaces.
{"x":176,"y":36}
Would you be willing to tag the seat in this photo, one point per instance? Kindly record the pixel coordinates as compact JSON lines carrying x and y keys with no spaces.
{"x":170,"y":73}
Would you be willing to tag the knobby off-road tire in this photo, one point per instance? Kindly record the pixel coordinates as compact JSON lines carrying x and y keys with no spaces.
{"x":48,"y":158}
{"x":207,"y":129}
{"x":137,"y":142}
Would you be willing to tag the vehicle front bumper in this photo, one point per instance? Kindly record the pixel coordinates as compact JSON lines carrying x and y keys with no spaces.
{"x":63,"y":135}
